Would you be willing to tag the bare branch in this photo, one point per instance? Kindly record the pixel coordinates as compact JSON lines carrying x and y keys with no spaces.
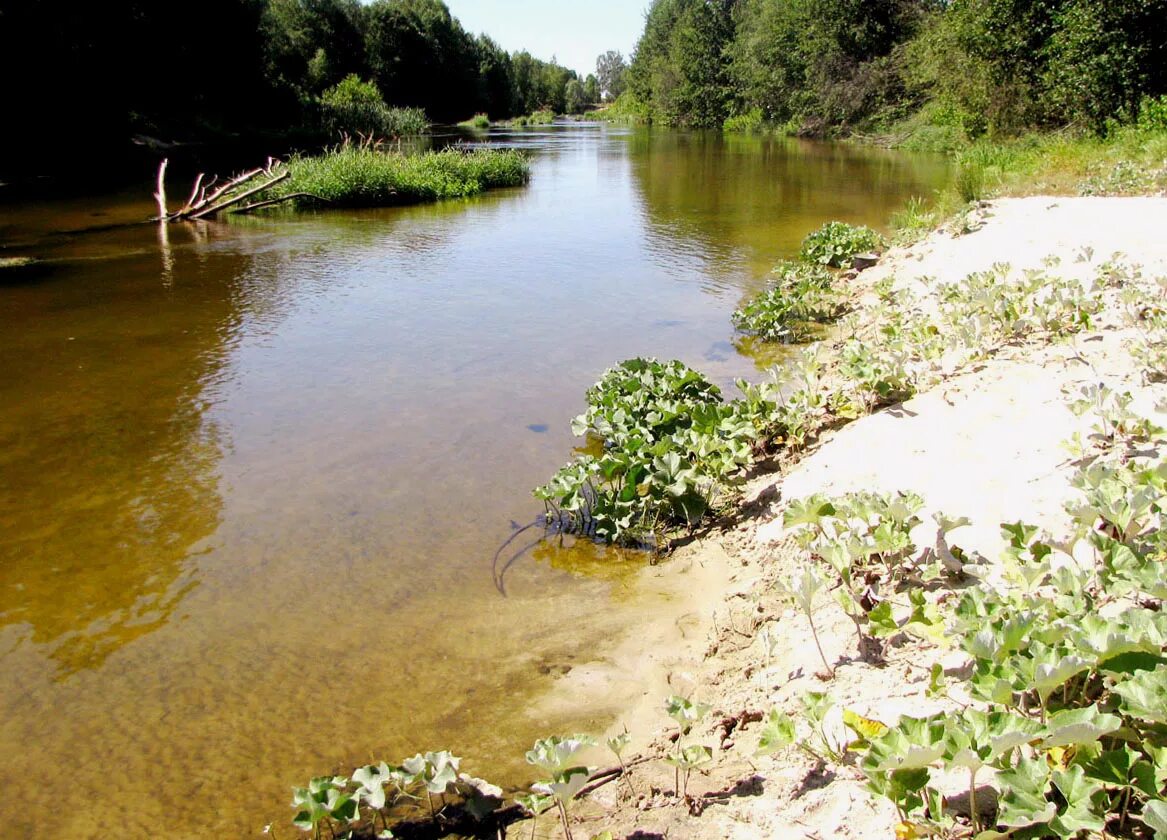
{"x":160,"y":192}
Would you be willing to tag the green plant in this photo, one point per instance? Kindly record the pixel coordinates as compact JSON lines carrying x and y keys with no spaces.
{"x":970,"y":181}
{"x":557,"y":757}
{"x":1153,"y":114}
{"x":618,"y":744}
{"x":914,"y":221}
{"x":478,"y":121}
{"x":362,"y":175}
{"x":782,"y":730}
{"x":356,"y":107}
{"x":323,"y":802}
{"x":800,"y":294}
{"x":836,"y":243}
{"x":803,"y":588}
{"x":668,"y":444}
{"x":866,"y":540}
{"x":1070,"y":663}
{"x":687,"y":757}
{"x":748,"y":122}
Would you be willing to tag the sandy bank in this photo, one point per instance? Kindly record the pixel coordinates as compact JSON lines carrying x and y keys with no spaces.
{"x":987,"y":443}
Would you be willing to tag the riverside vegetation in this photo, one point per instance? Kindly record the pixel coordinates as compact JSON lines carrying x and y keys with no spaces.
{"x":351,"y":174}
{"x":356,"y":175}
{"x":1063,"y":733}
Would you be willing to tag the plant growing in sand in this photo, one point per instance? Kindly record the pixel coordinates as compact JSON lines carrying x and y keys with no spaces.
{"x":556,"y":756}
{"x":686,"y":757}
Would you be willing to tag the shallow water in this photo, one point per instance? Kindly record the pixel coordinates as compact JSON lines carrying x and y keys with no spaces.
{"x":253,"y":475}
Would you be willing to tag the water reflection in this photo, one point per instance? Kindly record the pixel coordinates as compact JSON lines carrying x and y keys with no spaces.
{"x":253,"y":474}
{"x":728,"y":198}
{"x":108,"y":490}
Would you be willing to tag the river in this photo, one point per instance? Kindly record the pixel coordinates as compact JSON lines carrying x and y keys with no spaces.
{"x":254,"y":474}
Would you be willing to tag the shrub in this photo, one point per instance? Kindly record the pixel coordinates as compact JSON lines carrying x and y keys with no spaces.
{"x":356,"y":107}
{"x":1153,"y":114}
{"x":747,"y":123}
{"x":836,"y":243}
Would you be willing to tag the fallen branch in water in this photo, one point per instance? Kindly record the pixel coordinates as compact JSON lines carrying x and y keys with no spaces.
{"x":206,"y":200}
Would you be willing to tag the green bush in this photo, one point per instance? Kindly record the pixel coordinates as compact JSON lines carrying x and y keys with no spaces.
{"x":802,"y":294}
{"x":836,"y":243}
{"x":361,"y":176}
{"x":748,"y":123}
{"x":1153,"y":114}
{"x":356,"y":107}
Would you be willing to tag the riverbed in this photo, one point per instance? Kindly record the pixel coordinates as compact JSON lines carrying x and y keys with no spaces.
{"x":255,"y":475}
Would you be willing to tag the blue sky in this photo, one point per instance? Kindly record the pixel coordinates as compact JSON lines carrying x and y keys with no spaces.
{"x":575,"y":33}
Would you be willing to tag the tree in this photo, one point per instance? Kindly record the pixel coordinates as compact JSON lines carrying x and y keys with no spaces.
{"x":610,"y":70}
{"x":591,"y":89}
{"x":573,"y":95}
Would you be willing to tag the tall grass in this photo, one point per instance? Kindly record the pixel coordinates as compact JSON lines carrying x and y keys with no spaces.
{"x":1128,"y":160}
{"x":355,"y":176}
{"x":478,"y":121}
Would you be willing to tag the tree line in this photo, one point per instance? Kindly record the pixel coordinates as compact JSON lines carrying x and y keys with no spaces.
{"x":822,"y":66}
{"x":86,"y":75}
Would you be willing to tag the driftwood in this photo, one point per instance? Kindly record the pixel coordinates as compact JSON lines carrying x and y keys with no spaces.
{"x":207,"y":199}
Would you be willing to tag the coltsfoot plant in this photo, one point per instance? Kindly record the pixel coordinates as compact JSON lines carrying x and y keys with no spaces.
{"x":348,"y":804}
{"x":865,"y":539}
{"x":1069,"y":671}
{"x":669,"y":444}
{"x":836,"y":244}
{"x":800,"y":295}
{"x":686,"y":757}
{"x":557,"y":757}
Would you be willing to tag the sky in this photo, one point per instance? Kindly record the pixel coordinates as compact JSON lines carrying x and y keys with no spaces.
{"x":575,"y":33}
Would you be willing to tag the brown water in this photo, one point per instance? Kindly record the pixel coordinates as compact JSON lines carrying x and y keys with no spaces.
{"x":252,"y":478}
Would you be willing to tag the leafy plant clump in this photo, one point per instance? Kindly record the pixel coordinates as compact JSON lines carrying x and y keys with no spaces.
{"x":364,"y":176}
{"x":1067,"y":652}
{"x":361,"y":801}
{"x":749,"y":122}
{"x":667,"y":444}
{"x":802,"y":294}
{"x":837,"y":243}
{"x":556,"y":757}
{"x":356,"y":107}
{"x":478,"y":121}
{"x":685,"y":757}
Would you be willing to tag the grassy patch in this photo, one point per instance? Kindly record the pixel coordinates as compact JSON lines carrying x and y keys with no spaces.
{"x":537,"y":118}
{"x":1129,"y":160}
{"x":479,"y":121}
{"x":365,"y":177}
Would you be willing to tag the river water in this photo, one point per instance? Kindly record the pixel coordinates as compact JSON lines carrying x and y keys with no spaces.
{"x":254,"y":474}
